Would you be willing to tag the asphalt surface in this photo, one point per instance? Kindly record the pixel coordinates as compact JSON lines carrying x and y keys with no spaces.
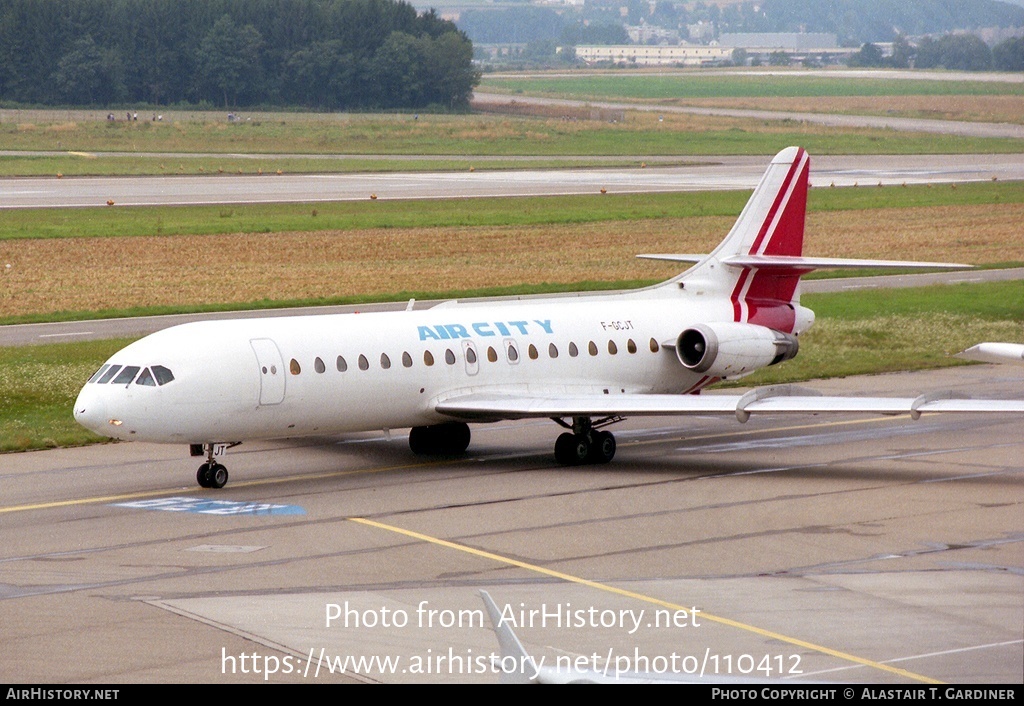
{"x":828,"y":548}
{"x":718,"y":173}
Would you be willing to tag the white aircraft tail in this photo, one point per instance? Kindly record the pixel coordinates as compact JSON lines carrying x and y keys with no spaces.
{"x":756,"y":266}
{"x":512,"y":649}
{"x":759,"y":264}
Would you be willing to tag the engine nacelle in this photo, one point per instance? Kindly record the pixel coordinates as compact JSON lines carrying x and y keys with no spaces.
{"x":729,"y":349}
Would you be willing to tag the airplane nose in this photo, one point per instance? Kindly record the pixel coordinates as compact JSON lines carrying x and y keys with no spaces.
{"x":91,"y":411}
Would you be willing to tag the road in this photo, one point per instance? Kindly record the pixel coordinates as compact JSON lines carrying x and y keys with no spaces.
{"x":829,"y":548}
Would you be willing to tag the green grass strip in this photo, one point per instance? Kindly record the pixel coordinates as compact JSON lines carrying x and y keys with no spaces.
{"x":535,"y":210}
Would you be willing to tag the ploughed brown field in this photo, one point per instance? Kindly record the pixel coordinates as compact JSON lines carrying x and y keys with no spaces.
{"x":78,"y":274}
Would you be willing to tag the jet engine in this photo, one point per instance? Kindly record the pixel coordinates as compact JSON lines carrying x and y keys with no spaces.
{"x":728,"y":349}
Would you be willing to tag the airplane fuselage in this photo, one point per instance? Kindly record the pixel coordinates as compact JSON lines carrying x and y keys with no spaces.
{"x":295,"y":376}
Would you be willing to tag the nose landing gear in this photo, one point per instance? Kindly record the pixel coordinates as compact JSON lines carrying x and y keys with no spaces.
{"x":211,"y":474}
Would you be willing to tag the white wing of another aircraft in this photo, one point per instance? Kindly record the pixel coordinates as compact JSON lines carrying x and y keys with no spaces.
{"x":994,"y":353}
{"x":516,"y":666}
{"x":585,"y":361}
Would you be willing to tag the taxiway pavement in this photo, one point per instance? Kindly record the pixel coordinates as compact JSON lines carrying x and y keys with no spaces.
{"x":853,"y":549}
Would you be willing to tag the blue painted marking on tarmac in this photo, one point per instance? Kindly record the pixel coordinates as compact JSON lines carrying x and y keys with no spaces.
{"x":212,"y":507}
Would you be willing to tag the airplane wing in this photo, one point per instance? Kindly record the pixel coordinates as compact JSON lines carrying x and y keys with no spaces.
{"x":493,"y":406}
{"x":994,"y":353}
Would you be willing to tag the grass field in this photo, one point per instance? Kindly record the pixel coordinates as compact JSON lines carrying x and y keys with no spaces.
{"x":731,"y":84}
{"x":988,"y":101}
{"x":158,"y":260}
{"x":462,"y":139}
{"x":86,"y":164}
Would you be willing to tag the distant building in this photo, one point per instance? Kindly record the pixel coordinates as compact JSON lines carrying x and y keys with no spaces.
{"x":641,"y":55}
{"x":650,"y":34}
{"x":780,"y":41}
{"x":798,"y":46}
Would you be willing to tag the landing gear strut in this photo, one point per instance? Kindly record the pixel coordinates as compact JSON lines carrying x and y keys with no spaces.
{"x":449,"y":439}
{"x":585,"y":444}
{"x":211,"y":474}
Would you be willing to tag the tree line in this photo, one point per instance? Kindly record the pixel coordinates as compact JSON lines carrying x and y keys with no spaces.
{"x":963,"y":52}
{"x":323,"y":54}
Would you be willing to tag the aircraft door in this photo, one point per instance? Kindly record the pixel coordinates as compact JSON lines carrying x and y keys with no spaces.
{"x":472,"y":359}
{"x":271,"y":369}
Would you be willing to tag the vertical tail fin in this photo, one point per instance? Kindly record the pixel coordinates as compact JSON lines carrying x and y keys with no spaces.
{"x":511,"y":648}
{"x":771,"y":224}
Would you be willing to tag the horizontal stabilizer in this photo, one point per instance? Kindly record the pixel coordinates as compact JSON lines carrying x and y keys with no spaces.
{"x":806,"y":264}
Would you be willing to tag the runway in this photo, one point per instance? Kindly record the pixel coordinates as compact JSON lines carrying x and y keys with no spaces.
{"x":825,"y":548}
{"x":718,"y":173}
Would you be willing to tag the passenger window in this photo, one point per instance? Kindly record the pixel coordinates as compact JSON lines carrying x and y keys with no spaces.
{"x":111,"y":372}
{"x":318,"y":365}
{"x":364,"y":364}
{"x":127,"y":375}
{"x":470,"y":356}
{"x":342,"y":364}
{"x":96,"y":375}
{"x":592,"y":347}
{"x":612,"y":348}
{"x":492,"y":355}
{"x":631,"y":346}
{"x":513,"y":354}
{"x":406,"y":359}
{"x":428,"y":358}
{"x":573,"y":350}
{"x":654,"y":346}
{"x":385,"y":362}
{"x":532,"y":350}
{"x":449,"y":357}
{"x":294,"y":367}
{"x":146,"y":378}
{"x":162,"y":375}
{"x":552,"y":350}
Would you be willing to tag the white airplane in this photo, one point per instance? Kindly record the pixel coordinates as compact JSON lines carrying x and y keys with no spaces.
{"x":584,"y":361}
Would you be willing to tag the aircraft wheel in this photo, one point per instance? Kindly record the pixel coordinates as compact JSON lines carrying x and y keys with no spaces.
{"x":571,"y":450}
{"x":603,"y":448}
{"x":218,"y":476}
{"x":203,"y":476}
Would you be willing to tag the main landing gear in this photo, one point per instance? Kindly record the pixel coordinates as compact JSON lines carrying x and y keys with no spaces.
{"x":449,"y":439}
{"x":211,"y":474}
{"x":586,"y":444}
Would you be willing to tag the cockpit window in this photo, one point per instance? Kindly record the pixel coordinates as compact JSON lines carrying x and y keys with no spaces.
{"x":146,"y":378}
{"x":162,"y":375}
{"x":111,"y":372}
{"x":126,"y":375}
{"x":96,"y":375}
